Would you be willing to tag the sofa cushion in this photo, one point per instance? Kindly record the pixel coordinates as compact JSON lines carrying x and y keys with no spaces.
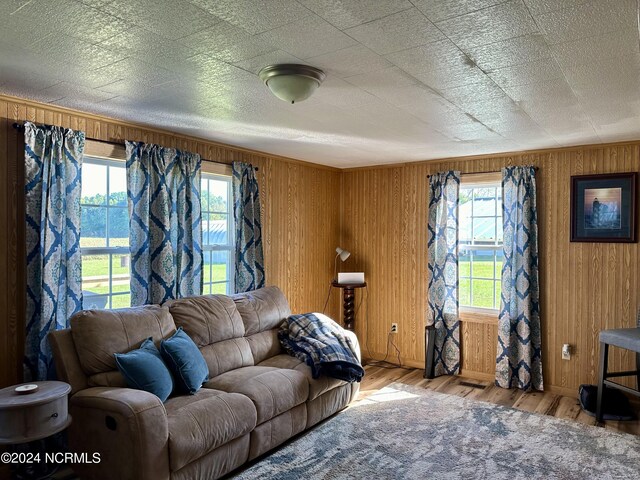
{"x":205,"y":421}
{"x":272,"y":390}
{"x":207,"y":319}
{"x":264,"y":345}
{"x":144,"y":369}
{"x":185,"y":362}
{"x":262,"y":309}
{"x":98,"y":334}
{"x":214,"y":324}
{"x":317,"y":386}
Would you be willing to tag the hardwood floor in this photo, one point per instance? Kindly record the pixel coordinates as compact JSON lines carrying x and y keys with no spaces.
{"x":544,"y":403}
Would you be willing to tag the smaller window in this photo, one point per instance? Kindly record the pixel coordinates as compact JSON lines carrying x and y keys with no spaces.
{"x":104,"y":235}
{"x":480,"y":254}
{"x":217,"y":234}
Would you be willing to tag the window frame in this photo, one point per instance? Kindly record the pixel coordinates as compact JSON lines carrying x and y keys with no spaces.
{"x":477,"y":181}
{"x":230,"y":245}
{"x":109,"y":251}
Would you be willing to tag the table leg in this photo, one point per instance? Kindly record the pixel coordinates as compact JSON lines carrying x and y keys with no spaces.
{"x":348,"y":307}
{"x":602,"y":375}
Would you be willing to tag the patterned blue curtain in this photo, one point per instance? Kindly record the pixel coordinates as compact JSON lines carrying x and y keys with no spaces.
{"x":163,"y":187}
{"x":519,"y":362}
{"x":444,"y":191}
{"x":249,"y":259}
{"x":53,"y":167}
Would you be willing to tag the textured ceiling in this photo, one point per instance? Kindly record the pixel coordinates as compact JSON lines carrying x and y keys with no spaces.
{"x":406,"y":79}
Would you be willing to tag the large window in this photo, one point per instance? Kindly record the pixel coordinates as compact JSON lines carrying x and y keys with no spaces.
{"x":104,"y":238}
{"x":217,"y":234}
{"x":480,"y":247}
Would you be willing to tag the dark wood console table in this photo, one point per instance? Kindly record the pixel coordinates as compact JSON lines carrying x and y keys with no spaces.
{"x":348,"y":301}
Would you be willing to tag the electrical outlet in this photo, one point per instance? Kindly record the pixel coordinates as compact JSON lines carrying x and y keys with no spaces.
{"x":394,"y":328}
{"x":566,"y":351}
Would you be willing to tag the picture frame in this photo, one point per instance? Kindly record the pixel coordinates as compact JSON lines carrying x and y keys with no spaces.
{"x":604,"y":208}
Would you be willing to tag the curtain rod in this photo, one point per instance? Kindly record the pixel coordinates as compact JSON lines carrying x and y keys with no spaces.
{"x":479,"y":173}
{"x":20,"y":126}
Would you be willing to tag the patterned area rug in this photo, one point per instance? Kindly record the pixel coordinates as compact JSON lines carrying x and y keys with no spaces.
{"x":406,"y":432}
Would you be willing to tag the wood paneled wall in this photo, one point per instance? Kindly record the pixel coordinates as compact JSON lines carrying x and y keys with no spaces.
{"x":300,"y":213}
{"x":379,"y":214}
{"x":585,"y":287}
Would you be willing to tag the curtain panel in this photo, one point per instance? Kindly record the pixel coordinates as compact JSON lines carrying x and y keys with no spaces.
{"x":53,"y":175}
{"x":519,"y":362}
{"x":249,"y":257}
{"x":163,"y":190}
{"x":444,"y":189}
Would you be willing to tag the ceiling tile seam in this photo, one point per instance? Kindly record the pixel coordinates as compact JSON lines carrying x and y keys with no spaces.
{"x":352,"y":26}
{"x":342,"y":49}
{"x":90,"y":41}
{"x":505,"y":40}
{"x":101,"y":9}
{"x":381,"y":18}
{"x":418,"y":119}
{"x":476,"y":66}
{"x":311,"y":13}
{"x":275,"y":48}
{"x":21,"y":7}
{"x":439,"y":95}
{"x":384,"y":55}
{"x":564,"y":76}
{"x":250,"y":34}
{"x":493,"y":81}
{"x":462,"y":14}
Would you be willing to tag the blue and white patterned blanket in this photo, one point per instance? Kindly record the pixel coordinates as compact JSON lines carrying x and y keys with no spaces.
{"x":321,"y":344}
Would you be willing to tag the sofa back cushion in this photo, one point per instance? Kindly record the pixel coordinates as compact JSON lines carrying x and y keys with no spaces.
{"x":262,"y":312}
{"x":215,"y":326}
{"x":98,"y":334}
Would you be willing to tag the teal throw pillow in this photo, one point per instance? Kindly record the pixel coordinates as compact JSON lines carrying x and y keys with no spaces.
{"x":144,"y":369}
{"x":185,"y":361}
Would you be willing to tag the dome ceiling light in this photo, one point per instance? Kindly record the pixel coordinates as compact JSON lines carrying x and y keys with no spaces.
{"x":292,"y":82}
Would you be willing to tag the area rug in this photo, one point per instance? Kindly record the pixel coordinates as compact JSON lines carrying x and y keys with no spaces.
{"x":407,"y":432}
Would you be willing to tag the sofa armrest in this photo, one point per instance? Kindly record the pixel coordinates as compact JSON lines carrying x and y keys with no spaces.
{"x":127,"y":428}
{"x":354,"y":340}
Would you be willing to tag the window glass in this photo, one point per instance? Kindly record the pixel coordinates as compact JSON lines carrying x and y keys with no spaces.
{"x":104,"y":238}
{"x":217,"y":234}
{"x":94,"y":183}
{"x":93,"y":227}
{"x":480,"y":254}
{"x":104,"y":235}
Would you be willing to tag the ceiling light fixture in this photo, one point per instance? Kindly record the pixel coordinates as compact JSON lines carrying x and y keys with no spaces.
{"x":292,"y":82}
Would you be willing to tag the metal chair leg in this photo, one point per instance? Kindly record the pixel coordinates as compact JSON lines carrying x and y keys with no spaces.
{"x":638,"y":371}
{"x":429,"y":338}
{"x":602,"y":373}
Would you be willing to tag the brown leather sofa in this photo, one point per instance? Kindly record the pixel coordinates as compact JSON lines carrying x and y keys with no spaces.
{"x":257,"y":397}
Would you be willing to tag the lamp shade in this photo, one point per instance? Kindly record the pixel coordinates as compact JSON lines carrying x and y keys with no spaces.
{"x":292,"y":82}
{"x":343,"y":254}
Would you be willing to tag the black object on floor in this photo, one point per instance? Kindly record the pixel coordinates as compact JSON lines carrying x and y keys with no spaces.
{"x":615,"y":406}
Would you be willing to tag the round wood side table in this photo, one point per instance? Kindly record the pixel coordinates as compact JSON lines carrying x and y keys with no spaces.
{"x":33,"y":416}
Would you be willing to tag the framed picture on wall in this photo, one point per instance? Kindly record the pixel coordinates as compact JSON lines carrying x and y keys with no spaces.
{"x":604,"y":208}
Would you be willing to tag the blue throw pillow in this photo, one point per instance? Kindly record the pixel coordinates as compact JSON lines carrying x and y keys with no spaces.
{"x":144,"y":369}
{"x":185,"y":361}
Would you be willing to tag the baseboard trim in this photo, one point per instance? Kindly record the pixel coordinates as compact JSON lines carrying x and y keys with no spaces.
{"x":482,"y":376}
{"x":485,"y":377}
{"x":564,"y":391}
{"x":406,"y":362}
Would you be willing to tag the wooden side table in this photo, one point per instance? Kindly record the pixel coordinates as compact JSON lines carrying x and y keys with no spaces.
{"x":348,"y":301}
{"x":24,"y":418}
